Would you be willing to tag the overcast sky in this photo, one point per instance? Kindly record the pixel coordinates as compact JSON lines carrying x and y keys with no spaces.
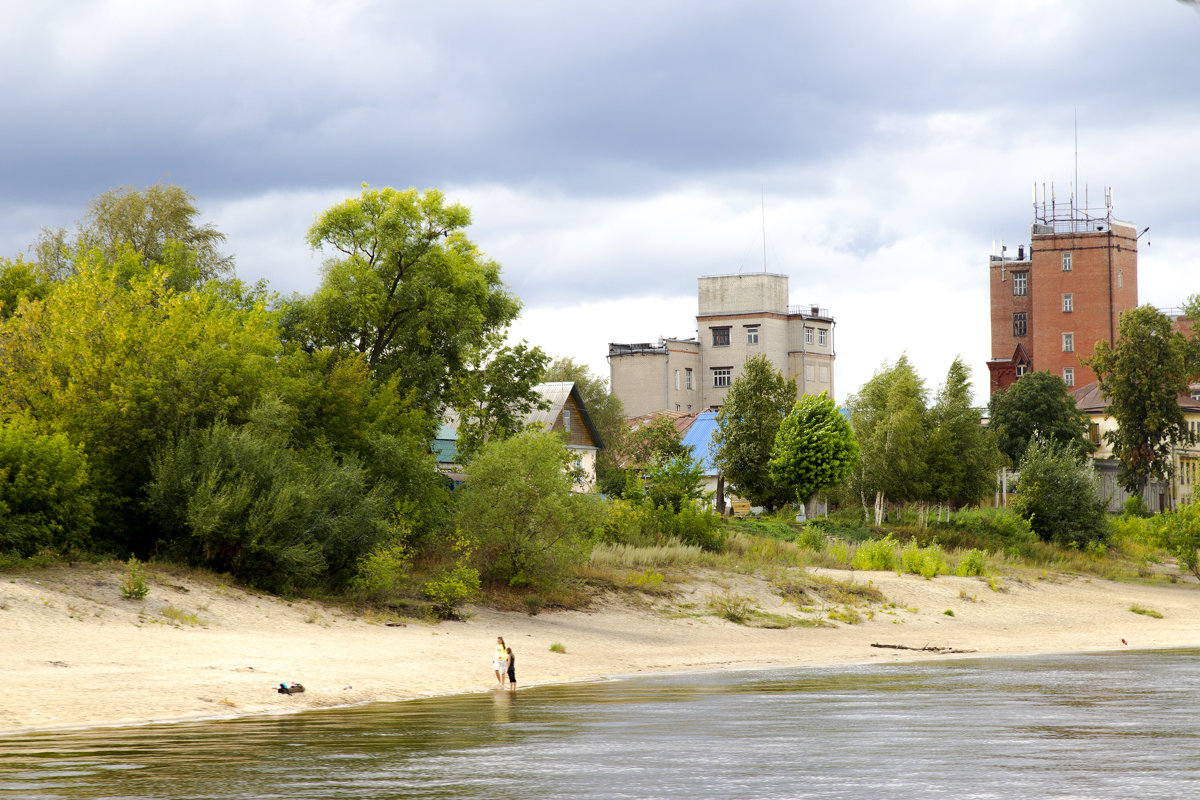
{"x":613,"y":152}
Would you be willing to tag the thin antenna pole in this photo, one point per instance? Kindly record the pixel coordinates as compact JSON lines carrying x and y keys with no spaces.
{"x":1076,"y":192}
{"x":762,"y":199}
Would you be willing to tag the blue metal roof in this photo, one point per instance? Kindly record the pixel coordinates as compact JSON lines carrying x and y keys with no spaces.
{"x":699,"y":438}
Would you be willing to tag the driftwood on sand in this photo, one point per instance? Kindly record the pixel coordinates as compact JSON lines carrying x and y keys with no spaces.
{"x":927,"y":648}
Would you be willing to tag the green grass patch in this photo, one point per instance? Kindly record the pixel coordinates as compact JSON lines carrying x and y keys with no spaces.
{"x":1145,"y":612}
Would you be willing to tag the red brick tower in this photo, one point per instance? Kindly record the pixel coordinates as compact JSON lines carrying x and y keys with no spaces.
{"x":1051,"y":305}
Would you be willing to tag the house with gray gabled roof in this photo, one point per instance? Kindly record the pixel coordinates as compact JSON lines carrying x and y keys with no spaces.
{"x":565,"y":412}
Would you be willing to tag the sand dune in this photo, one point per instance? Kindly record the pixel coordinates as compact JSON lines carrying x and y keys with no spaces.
{"x":75,"y":653}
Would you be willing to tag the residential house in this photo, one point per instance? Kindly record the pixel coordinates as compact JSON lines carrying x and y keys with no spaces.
{"x":566,"y":412}
{"x":1185,"y":458}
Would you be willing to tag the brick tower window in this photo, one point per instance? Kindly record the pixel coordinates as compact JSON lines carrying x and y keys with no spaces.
{"x":1020,"y":284}
{"x":1068,"y":343}
{"x":1068,"y":303}
{"x":1020,"y":323}
{"x":1066,"y":262}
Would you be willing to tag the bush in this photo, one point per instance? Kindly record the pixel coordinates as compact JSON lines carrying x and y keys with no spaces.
{"x":46,"y":499}
{"x":453,"y":587}
{"x":925,"y":561}
{"x":641,"y":524}
{"x":972,"y":563}
{"x":532,"y":530}
{"x":1135,"y":506}
{"x":1059,"y":496}
{"x":811,"y":538}
{"x":241,"y":500}
{"x":133,"y":585}
{"x":1179,"y":532}
{"x":879,"y":555}
{"x":381,"y":573}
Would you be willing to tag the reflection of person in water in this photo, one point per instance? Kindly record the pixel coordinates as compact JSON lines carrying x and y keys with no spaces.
{"x":500,"y":662}
{"x":512,"y":671}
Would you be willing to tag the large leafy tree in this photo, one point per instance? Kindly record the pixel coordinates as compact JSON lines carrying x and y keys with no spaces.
{"x":160,"y":223}
{"x":747,"y":425}
{"x":406,"y":288}
{"x":814,"y":449}
{"x":119,"y":365}
{"x":1038,"y":403}
{"x":888,"y":417}
{"x":1142,"y":376}
{"x":961,"y":456}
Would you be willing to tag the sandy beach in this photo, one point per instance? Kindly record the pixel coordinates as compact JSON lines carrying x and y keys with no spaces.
{"x":77,"y":654}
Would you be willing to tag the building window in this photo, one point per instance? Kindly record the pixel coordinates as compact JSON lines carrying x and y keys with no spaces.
{"x":1120,"y":278}
{"x":722,"y":376}
{"x":1188,"y":471}
{"x":720,"y":337}
{"x":1094,"y":433}
{"x":1020,"y":283}
{"x":567,"y":420}
{"x":1022,"y":369}
{"x":1020,"y":323}
{"x":1069,"y":376}
{"x":1066,"y":262}
{"x":1068,"y":343}
{"x":824,"y":374}
{"x":1068,"y":303}
{"x":751,"y":335}
{"x":808,"y":335}
{"x":687,"y":379}
{"x":810,"y":373}
{"x":1196,"y":394}
{"x":823,"y":337}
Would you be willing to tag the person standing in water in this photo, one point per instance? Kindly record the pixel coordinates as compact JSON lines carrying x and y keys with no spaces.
{"x":512,"y":671}
{"x":500,"y":661}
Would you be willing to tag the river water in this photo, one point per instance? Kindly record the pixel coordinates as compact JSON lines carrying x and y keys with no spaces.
{"x":1116,"y":725}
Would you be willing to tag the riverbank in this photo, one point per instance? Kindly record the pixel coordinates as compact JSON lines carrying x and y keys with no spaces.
{"x":76,"y":654}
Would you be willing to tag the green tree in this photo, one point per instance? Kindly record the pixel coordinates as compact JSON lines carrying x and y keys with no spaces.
{"x":120,"y":367}
{"x":888,"y":417}
{"x":46,"y":498}
{"x":815,"y":448}
{"x":1038,"y":403}
{"x":494,"y":397}
{"x":607,"y":413}
{"x":407,"y":289}
{"x":654,"y":442}
{"x":961,"y":456}
{"x":665,"y":470}
{"x":1059,"y":495}
{"x":530,"y":528}
{"x":747,"y":424}
{"x":21,"y":280}
{"x":159,"y":223}
{"x":1142,"y":376}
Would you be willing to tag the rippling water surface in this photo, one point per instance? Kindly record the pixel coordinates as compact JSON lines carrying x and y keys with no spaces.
{"x":1086,"y":726}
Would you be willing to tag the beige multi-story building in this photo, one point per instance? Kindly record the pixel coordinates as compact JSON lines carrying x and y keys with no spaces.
{"x":738,"y":317}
